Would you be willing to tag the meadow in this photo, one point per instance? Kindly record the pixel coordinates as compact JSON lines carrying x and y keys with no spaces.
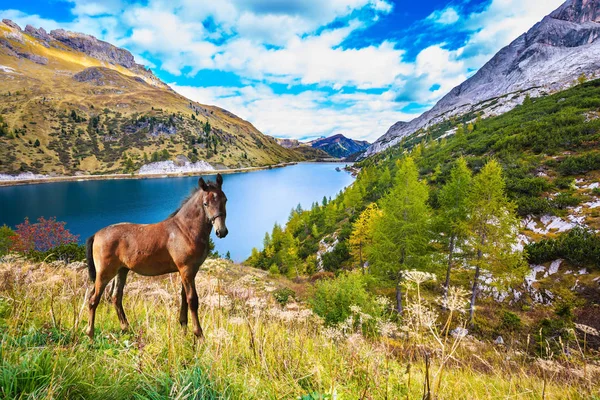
{"x":263,"y":341}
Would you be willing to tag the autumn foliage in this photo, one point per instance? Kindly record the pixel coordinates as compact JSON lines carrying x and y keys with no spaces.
{"x":42,"y":236}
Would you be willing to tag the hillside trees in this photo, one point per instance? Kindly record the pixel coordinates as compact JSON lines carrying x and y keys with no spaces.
{"x":362,"y":234}
{"x":401,"y":234}
{"x":454,"y":212}
{"x":492,"y":227}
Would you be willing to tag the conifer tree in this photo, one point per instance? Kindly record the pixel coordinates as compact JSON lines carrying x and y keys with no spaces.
{"x":493,"y":227}
{"x":401,"y":233}
{"x":362,"y":234}
{"x":454,"y":211}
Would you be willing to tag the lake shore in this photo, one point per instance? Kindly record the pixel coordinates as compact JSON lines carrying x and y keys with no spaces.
{"x":77,"y":178}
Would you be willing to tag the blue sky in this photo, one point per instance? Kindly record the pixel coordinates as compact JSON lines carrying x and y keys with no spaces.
{"x":302,"y":68}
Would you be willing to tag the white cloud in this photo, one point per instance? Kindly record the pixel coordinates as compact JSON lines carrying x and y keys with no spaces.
{"x":287,"y":41}
{"x":308,"y":114}
{"x":447,"y":16}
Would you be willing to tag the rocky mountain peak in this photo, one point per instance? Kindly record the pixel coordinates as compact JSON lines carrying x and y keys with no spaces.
{"x":95,"y":48}
{"x":578,"y":11}
{"x":550,"y":57}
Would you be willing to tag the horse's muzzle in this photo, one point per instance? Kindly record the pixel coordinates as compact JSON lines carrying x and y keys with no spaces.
{"x":222,"y":232}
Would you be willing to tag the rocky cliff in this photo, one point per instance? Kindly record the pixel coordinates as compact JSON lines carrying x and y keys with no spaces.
{"x":550,"y":57}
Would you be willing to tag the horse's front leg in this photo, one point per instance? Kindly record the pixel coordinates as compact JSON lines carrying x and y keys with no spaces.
{"x":187,"y":280}
{"x":183,"y":310}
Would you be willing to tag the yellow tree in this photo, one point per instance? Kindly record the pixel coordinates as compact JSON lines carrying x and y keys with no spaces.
{"x":362,"y":233}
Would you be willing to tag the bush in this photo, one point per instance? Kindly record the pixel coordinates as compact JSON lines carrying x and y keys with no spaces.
{"x":7,"y":237}
{"x":564,"y":200}
{"x":68,"y":253}
{"x":574,"y":165}
{"x":42,"y":236}
{"x":564,"y":183}
{"x":533,"y":206}
{"x":579,"y":246}
{"x":332,"y":298}
{"x":333,"y":260}
{"x":283,"y":295}
{"x":511,"y":322}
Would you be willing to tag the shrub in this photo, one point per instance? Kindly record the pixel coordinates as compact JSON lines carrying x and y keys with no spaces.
{"x":333,"y":260}
{"x":511,"y":322}
{"x":574,"y":165}
{"x":7,"y":237}
{"x":68,"y":253}
{"x":283,"y":295}
{"x":579,"y":246}
{"x":42,"y":236}
{"x":332,"y":298}
{"x":533,"y":206}
{"x":564,"y":200}
{"x":564,"y":183}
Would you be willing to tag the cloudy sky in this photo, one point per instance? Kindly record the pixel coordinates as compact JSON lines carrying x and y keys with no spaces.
{"x":302,"y":68}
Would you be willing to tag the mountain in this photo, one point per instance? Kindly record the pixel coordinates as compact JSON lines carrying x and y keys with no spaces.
{"x":71,"y":104}
{"x":553,"y":55}
{"x":339,"y":146}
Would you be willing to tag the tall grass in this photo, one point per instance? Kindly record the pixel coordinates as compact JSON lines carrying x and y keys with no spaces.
{"x":254,"y":348}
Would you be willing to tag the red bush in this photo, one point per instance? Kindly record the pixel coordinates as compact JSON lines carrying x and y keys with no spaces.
{"x":41,"y":236}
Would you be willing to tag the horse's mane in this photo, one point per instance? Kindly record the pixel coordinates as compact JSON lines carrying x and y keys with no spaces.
{"x":211,"y":185}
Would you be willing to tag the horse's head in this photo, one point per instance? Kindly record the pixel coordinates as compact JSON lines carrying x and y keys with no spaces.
{"x":214,"y":200}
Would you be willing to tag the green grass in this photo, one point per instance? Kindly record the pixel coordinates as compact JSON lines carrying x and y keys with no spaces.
{"x":254,"y":348}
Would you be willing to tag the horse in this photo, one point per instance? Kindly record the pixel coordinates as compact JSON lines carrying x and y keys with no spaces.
{"x":180,"y":243}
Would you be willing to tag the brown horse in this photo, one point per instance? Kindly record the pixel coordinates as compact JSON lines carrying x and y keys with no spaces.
{"x":177,"y":244}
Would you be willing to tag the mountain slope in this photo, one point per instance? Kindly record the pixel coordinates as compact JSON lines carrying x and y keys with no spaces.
{"x":339,"y":146}
{"x":550,"y":57}
{"x":71,"y":103}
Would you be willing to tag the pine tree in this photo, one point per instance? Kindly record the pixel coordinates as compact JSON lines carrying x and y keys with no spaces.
{"x":493,"y":227}
{"x":362,"y":234}
{"x":454,"y":211}
{"x":401,"y":233}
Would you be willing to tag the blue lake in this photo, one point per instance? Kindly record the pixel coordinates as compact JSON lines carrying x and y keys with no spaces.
{"x":257,"y":200}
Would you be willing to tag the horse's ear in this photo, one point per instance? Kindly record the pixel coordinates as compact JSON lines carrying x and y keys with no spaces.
{"x":202,"y":184}
{"x":219,"y":180}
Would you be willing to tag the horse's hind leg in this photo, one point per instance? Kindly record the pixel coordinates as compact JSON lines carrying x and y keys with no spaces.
{"x":183,"y":311}
{"x":118,"y":297}
{"x":102,"y":280}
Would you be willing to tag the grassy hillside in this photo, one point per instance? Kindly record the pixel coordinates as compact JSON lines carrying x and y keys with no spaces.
{"x":259,"y":344}
{"x":548,"y":150}
{"x":65,"y":112}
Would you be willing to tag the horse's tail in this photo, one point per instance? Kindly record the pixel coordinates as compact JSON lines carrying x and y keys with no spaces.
{"x":90,"y":258}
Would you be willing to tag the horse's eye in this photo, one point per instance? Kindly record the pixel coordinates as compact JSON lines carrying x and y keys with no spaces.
{"x":205,"y":204}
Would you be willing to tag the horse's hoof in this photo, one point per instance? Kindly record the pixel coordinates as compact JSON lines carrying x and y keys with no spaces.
{"x":124,"y":328}
{"x":90,"y":333}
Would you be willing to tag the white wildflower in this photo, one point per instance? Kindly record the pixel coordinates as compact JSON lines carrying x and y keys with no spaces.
{"x":383,"y":301}
{"x":237,"y":321}
{"x":216,"y":300}
{"x":220,"y":335}
{"x":418,"y":277}
{"x":386,"y":328}
{"x":456,"y":299}
{"x":333,"y":334}
{"x":355,"y":309}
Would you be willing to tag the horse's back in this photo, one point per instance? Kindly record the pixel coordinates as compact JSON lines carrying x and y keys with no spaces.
{"x":141,"y":248}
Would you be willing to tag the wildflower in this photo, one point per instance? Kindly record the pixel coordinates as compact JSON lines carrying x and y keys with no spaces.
{"x":215,"y":300}
{"x":355,"y":309}
{"x":456,"y":299}
{"x":386,"y":328}
{"x":333,"y":334}
{"x":418,"y":277}
{"x":237,"y":321}
{"x":588,"y":330}
{"x":257,"y":303}
{"x":382,"y":301}
{"x":220,"y":335}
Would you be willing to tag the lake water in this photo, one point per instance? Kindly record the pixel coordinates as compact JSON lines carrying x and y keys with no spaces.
{"x":256,"y":200}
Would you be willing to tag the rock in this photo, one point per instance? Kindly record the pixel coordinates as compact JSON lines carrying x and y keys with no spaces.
{"x":94,"y":48}
{"x":499,"y":340}
{"x":549,"y":57}
{"x":11,"y":24}
{"x":39,"y":34}
{"x":181,"y":160}
{"x":459,"y":332}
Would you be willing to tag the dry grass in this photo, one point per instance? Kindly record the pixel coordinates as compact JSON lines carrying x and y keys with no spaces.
{"x":254,"y":348}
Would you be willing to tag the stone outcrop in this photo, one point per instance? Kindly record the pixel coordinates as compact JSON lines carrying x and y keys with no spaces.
{"x":549,"y":57}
